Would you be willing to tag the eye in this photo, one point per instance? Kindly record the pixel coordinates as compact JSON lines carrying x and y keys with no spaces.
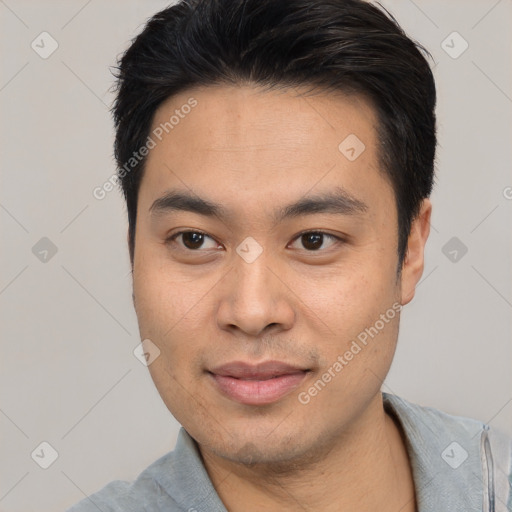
{"x":192,"y":240}
{"x":314,"y":240}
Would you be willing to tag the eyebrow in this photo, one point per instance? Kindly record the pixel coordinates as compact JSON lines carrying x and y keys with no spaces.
{"x":338,"y":201}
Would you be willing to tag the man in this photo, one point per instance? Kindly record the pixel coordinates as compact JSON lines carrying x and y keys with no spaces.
{"x":277,"y":159}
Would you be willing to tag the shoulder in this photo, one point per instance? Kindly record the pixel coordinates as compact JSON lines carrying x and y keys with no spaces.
{"x":452,"y":450}
{"x":153,"y":489}
{"x":123,"y":496}
{"x":176,"y":482}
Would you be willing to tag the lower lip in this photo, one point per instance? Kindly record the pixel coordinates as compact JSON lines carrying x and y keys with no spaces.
{"x":258,"y":392}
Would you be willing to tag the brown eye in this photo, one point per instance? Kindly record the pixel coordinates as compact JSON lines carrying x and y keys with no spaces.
{"x":192,"y":240}
{"x":312,"y":241}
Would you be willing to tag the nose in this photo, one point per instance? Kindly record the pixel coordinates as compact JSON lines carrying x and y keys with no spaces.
{"x":255,"y":299}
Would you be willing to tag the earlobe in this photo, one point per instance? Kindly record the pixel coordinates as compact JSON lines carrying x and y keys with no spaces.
{"x":413,"y":265}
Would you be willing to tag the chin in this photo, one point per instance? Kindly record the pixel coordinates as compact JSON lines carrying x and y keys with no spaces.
{"x":271,"y":447}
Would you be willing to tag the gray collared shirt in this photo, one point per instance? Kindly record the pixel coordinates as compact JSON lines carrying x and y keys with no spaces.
{"x":458,"y":464}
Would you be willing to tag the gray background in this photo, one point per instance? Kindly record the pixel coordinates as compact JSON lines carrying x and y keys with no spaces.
{"x":68,"y":373}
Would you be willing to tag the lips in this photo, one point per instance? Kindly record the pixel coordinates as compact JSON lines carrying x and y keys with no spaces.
{"x":259,"y":384}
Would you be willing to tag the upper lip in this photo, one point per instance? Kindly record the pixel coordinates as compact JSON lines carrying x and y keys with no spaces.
{"x":265,"y":370}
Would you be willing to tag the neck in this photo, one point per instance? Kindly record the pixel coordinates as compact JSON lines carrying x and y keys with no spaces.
{"x":366,"y":468}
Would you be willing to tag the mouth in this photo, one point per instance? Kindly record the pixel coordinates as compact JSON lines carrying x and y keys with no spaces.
{"x":259,"y":384}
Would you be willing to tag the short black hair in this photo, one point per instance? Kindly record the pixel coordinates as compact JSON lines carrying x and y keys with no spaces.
{"x":350,"y":46}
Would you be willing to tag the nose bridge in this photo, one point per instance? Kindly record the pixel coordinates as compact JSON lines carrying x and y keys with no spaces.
{"x":251,"y":261}
{"x":253,"y":286}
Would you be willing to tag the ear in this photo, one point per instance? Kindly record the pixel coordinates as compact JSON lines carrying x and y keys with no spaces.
{"x":413,"y":264}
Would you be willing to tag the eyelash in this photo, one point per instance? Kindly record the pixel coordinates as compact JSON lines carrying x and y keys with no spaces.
{"x":173,"y":237}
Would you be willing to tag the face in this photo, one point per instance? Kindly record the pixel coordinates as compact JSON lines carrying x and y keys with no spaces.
{"x":272,"y":341}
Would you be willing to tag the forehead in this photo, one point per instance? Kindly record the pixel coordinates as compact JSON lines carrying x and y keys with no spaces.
{"x":254,"y":146}
{"x":231,"y":117}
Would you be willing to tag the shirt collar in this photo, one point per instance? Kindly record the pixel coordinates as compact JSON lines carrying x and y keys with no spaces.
{"x":444,"y":453}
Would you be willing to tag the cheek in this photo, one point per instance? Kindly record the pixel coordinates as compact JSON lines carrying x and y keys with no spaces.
{"x":362,"y":342}
{"x":163,"y":299}
{"x":168,"y":315}
{"x":350,"y":299}
{"x":175,"y":387}
{"x":174,"y":311}
{"x":169,"y":319}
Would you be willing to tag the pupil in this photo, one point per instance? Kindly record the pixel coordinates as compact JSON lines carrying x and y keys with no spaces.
{"x":316,"y":239}
{"x":193,"y":240}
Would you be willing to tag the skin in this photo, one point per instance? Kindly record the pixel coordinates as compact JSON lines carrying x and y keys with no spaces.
{"x":253,"y":150}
